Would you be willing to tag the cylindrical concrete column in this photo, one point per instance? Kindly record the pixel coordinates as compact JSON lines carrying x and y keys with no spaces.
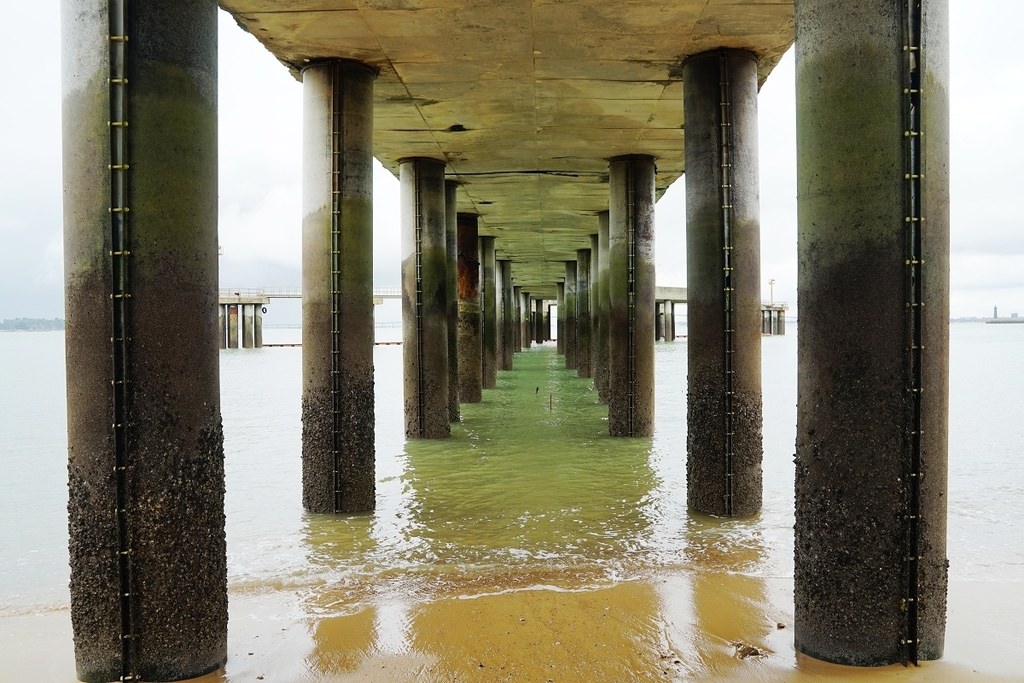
{"x":631,"y":296}
{"x":583,"y":332}
{"x":659,"y":320}
{"x":560,"y":324}
{"x":539,"y":320}
{"x":469,"y":340}
{"x":258,"y":326}
{"x":450,"y":208}
{"x":525,"y":319}
{"x":872,"y":409}
{"x":570,"y":315}
{"x":489,"y":304}
{"x":249,"y":326}
{"x":600,"y":359}
{"x":145,"y":447}
{"x":508,"y":323}
{"x":670,"y":321}
{"x":233,"y":316}
{"x":547,"y":322}
{"x":595,"y":246}
{"x":337,"y":288}
{"x":520,"y":316}
{"x":723,"y":266}
{"x":222,"y":332}
{"x":424,"y":298}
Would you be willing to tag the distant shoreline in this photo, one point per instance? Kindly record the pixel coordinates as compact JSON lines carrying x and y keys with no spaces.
{"x":31,"y":324}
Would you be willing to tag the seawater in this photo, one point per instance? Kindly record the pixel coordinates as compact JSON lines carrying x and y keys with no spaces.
{"x":529,"y":492}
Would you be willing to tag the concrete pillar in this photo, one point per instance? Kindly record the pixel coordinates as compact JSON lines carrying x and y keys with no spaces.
{"x":519,"y":340}
{"x":222,"y":332}
{"x":723,"y":257}
{"x":257,"y":330}
{"x":659,"y":320}
{"x":337,"y":288}
{"x":468,"y":285}
{"x":539,"y":321}
{"x":525,"y":327}
{"x":249,"y":326}
{"x":600,"y":359}
{"x":570,"y":315}
{"x":560,"y":321}
{"x":507,"y":318}
{"x":450,"y":221}
{"x":873,"y":353}
{"x":233,"y":326}
{"x":499,"y":314}
{"x":595,"y":246}
{"x":489,"y":305}
{"x":424,"y":298}
{"x":631,"y":296}
{"x":547,"y":322}
{"x":670,"y":321}
{"x":145,"y":447}
{"x":583,"y":343}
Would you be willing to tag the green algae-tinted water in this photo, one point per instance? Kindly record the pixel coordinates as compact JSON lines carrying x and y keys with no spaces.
{"x":530,"y":490}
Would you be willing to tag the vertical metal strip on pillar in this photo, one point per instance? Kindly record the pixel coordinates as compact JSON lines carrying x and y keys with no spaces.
{"x":631,"y":225}
{"x":421,"y":379}
{"x":725,"y":199}
{"x":337,"y":179}
{"x":913,"y":174}
{"x":120,"y":339}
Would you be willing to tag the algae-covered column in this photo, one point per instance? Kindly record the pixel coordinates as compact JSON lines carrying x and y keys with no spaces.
{"x":337,"y":288}
{"x":631,"y":296}
{"x":489,"y":304}
{"x":145,"y":447}
{"x":538,"y":321}
{"x":570,"y":315}
{"x":520,"y":318}
{"x":560,"y":324}
{"x":469,"y":341}
{"x":595,"y":246}
{"x":872,"y":409}
{"x":508,"y":321}
{"x":583,"y":331}
{"x":723,"y":272}
{"x":424,"y":297}
{"x":601,"y":304}
{"x":450,"y":219}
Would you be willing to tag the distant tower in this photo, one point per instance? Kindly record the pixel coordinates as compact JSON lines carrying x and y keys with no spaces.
{"x":995,"y":311}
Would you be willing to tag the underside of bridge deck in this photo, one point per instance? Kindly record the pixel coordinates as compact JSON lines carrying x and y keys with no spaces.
{"x":524,"y":100}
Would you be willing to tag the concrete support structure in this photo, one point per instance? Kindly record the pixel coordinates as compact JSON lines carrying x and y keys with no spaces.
{"x":601,"y":304}
{"x":723,"y":284}
{"x":508,"y":324}
{"x":538,"y":321}
{"x":145,"y":446}
{"x":595,"y":247}
{"x":424,"y":298}
{"x":631,"y":296}
{"x":570,"y":315}
{"x":872,"y":411}
{"x":520,"y":319}
{"x":470,"y":354}
{"x":337,"y":288}
{"x":560,"y":324}
{"x":583,"y":341}
{"x":450,"y":203}
{"x":670,"y":321}
{"x":489,"y":307}
{"x":547,"y":321}
{"x":659,"y":320}
{"x":232,"y":331}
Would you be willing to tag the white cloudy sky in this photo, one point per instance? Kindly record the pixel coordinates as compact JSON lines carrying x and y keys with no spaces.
{"x":260,"y":168}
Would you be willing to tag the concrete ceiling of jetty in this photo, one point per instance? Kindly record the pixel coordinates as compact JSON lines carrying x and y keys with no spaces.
{"x":545,"y":90}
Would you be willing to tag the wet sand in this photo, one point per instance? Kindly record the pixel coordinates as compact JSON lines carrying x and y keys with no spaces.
{"x":676,"y":626}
